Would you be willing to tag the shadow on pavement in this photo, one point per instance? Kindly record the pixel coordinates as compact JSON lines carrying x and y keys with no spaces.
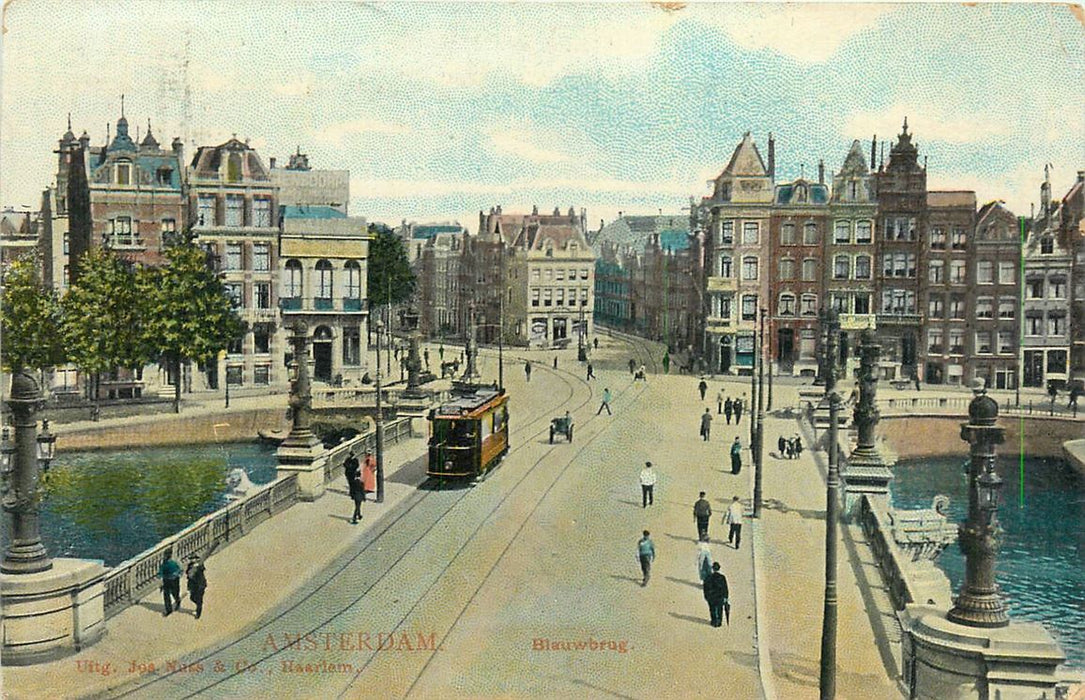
{"x":742,"y":658}
{"x":690,"y":618}
{"x":781,"y":507}
{"x":344,"y":518}
{"x":682,"y":539}
{"x":691,"y":584}
{"x":630,"y":503}
{"x":413,"y":472}
{"x":631,"y":579}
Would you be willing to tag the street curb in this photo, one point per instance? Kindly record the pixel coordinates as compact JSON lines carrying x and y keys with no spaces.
{"x":764,"y":661}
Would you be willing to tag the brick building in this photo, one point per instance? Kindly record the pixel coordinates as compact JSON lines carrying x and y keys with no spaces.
{"x":946,"y":289}
{"x":995,"y":265}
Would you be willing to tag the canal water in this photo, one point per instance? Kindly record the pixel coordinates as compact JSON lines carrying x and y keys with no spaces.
{"x":114,"y":505}
{"x":1041,"y":564}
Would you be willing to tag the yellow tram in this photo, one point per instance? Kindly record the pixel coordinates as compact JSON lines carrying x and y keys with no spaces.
{"x":470,"y":434}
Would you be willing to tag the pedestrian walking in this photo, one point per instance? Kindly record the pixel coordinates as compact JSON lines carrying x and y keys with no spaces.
{"x":702,"y":512}
{"x":646,"y":553}
{"x":706,"y":424}
{"x":733,"y":517}
{"x":702,"y":387}
{"x":606,"y":403}
{"x":704,"y":561}
{"x":555,"y":361}
{"x":441,"y":352}
{"x":738,"y":406}
{"x":916,"y":378}
{"x":369,"y":474}
{"x":796,"y":445}
{"x":781,"y":445}
{"x":196,"y":580}
{"x":728,"y":409}
{"x":425,"y":356}
{"x":352,"y":470}
{"x":632,"y":365}
{"x":736,"y":456}
{"x":170,"y":573}
{"x":719,"y":402}
{"x":591,"y":372}
{"x":716,"y":595}
{"x":1075,"y":393}
{"x":527,"y":370}
{"x":595,"y":342}
{"x":647,"y":485}
{"x":666,"y":363}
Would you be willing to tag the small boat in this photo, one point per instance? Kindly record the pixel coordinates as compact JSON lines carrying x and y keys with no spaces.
{"x":272,"y":437}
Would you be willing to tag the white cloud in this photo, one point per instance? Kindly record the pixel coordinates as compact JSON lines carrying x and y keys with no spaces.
{"x":407,"y":189}
{"x":929,"y":123}
{"x":336,"y":134}
{"x":808,"y":32}
{"x":522,"y":143}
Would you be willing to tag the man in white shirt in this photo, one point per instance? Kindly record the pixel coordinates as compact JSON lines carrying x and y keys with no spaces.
{"x":735,"y":511}
{"x":647,"y":481}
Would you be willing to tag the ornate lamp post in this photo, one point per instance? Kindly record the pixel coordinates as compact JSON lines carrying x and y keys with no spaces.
{"x":301,"y":435}
{"x":866,"y":412}
{"x":759,"y":438}
{"x":827,"y":683}
{"x":380,"y":419}
{"x":980,"y":602}
{"x":25,"y":553}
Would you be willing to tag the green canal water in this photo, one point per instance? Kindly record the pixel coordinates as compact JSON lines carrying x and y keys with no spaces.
{"x":1041,"y":565}
{"x":113,"y":505}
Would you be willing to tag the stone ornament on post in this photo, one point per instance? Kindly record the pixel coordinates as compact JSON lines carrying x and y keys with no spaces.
{"x":867,"y":470}
{"x":301,"y":452}
{"x":25,"y":554}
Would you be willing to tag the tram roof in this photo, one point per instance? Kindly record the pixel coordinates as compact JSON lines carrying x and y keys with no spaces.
{"x":463,"y":405}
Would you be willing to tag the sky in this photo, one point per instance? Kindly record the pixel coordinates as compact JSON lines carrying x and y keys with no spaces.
{"x":439,"y":110}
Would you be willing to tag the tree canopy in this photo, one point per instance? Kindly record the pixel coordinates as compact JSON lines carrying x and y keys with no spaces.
{"x":29,"y":319}
{"x":390,"y":277}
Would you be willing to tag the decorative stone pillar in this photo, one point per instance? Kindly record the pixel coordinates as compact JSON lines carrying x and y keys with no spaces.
{"x":867,"y":470}
{"x":25,"y":553}
{"x":301,"y":452}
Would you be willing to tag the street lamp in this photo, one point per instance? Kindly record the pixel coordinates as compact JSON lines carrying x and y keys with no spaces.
{"x":47,"y":443}
{"x":380,"y":419}
{"x":827,"y":681}
{"x":759,"y":440}
{"x":25,"y":553}
{"x":7,"y":454}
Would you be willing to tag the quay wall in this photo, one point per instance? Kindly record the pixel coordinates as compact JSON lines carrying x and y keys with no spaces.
{"x":915,"y":435}
{"x":174,"y":429}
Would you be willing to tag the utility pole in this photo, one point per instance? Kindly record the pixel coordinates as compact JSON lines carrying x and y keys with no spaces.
{"x":380,"y":419}
{"x":827,"y":682}
{"x":759,"y":442}
{"x":753,"y":391}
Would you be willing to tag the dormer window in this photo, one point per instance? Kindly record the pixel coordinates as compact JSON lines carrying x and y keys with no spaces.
{"x":1047,"y":245}
{"x":165,"y":176}
{"x":800,"y":194}
{"x":233,"y":168}
{"x":124,"y":173}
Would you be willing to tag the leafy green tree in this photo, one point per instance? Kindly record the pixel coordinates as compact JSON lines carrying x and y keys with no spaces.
{"x":29,"y":319}
{"x":104,"y":317}
{"x":390,"y":278}
{"x":190,"y":315}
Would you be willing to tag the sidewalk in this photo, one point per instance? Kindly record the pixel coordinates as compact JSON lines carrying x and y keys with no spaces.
{"x":272,"y":561}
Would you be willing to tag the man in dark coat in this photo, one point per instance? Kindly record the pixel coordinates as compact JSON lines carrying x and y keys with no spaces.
{"x":738,"y":410}
{"x":781,"y":445}
{"x":728,"y":409}
{"x":736,"y":456}
{"x":197,"y":583}
{"x":706,"y":424}
{"x":352,"y":471}
{"x":527,"y":370}
{"x":170,"y":573}
{"x":702,"y":513}
{"x":716,"y":595}
{"x":702,"y":387}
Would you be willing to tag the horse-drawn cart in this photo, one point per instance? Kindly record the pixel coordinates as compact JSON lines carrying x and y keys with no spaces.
{"x":562,"y":425}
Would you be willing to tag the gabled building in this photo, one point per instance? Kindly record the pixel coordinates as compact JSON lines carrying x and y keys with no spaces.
{"x":735,"y":223}
{"x":949,"y":282}
{"x":995,"y":265}
{"x":439,"y":277}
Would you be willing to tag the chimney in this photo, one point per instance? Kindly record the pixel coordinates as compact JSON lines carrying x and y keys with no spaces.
{"x":873,"y":151}
{"x":1081,"y":175}
{"x":271,"y":162}
{"x":772,"y":157}
{"x":821,"y":172}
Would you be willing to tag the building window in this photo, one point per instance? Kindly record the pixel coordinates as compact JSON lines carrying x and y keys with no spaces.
{"x":261,"y":338}
{"x":938,"y":238}
{"x":559,"y":297}
{"x":1047,"y":245}
{"x":1056,"y":287}
{"x":750,"y":233}
{"x":723,"y":307}
{"x":809,"y":270}
{"x":205,"y":210}
{"x":936,"y":306}
{"x":67,"y":243}
{"x":548,"y":297}
{"x":261,"y":292}
{"x":1006,"y":308}
{"x":1007,"y":272}
{"x":787,"y":269}
{"x":352,"y":346}
{"x":956,"y":307}
{"x":233,"y":256}
{"x":983,"y":342}
{"x":261,"y":257}
{"x":354,"y":280}
{"x":1056,"y":325}
{"x":957,"y":271}
{"x":841,"y":267}
{"x":810,"y":233}
{"x":559,"y":275}
{"x":959,"y":240}
{"x":787,"y":305}
{"x":234,"y":291}
{"x":749,"y":268}
{"x":124,"y":173}
{"x":1005,"y":342}
{"x":535,"y":296}
{"x":809,"y":305}
{"x":1034,"y":325}
{"x":842,"y":232}
{"x":324,"y":280}
{"x":898,"y":302}
{"x":120,"y":231}
{"x":583,"y":296}
{"x":261,"y":375}
{"x":292,"y":287}
{"x":956,"y":342}
{"x":1056,"y":362}
{"x":725,"y":266}
{"x":899,"y":228}
{"x":787,"y":234}
{"x":862,"y":267}
{"x":862,"y":303}
{"x":749,"y":307}
{"x":1036,"y":288}
{"x":985,"y":272}
{"x":934,"y":341}
{"x":584,"y":273}
{"x":839,"y":303}
{"x":727,"y":232}
{"x":985,"y":307}
{"x":261,"y":211}
{"x":235,"y":210}
{"x":864,"y":232}
{"x":169,"y":231}
{"x":937,"y":271}
{"x":535,"y":274}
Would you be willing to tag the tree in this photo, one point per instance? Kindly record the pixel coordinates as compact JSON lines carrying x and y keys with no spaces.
{"x":190,"y":316}
{"x":104,"y":317}
{"x":29,"y":319}
{"x":390,"y":277}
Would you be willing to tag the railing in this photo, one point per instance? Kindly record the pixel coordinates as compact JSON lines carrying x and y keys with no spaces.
{"x":958,"y":406}
{"x":129,"y":581}
{"x":395,"y":432}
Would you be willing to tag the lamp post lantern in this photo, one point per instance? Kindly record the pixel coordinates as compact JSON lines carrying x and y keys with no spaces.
{"x":980,"y":603}
{"x":25,"y":553}
{"x":827,"y":680}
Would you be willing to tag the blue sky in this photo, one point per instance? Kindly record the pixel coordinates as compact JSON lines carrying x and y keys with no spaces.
{"x":439,"y":110}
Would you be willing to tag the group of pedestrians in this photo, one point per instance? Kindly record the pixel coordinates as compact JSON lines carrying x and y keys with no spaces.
{"x":195,"y":574}
{"x":728,"y":407}
{"x":789,"y":448}
{"x":361,"y":479}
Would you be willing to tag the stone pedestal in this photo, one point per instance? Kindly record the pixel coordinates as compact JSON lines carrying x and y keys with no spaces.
{"x":866,"y":472}
{"x":943,"y":660}
{"x":53,"y":613}
{"x":307,"y":461}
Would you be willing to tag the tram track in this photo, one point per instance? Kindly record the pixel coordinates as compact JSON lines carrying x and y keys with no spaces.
{"x":425,"y":503}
